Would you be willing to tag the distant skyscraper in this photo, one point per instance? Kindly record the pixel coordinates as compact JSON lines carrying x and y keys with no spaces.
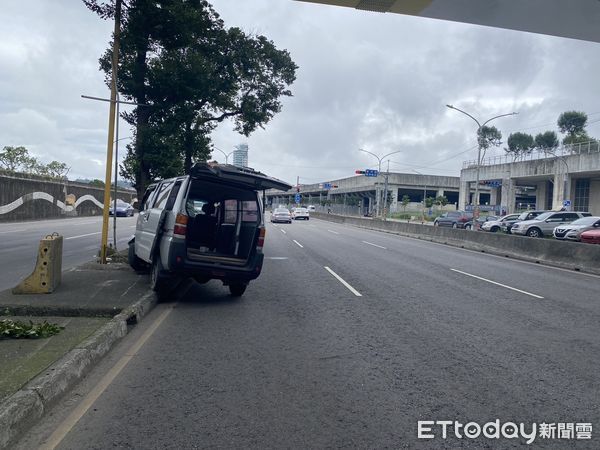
{"x":240,"y":155}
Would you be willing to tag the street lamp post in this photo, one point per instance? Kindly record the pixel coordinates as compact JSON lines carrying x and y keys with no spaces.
{"x":379,"y":160}
{"x":479,"y":146}
{"x":227,"y":155}
{"x":424,"y":194}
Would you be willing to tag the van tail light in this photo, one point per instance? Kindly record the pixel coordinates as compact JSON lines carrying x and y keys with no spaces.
{"x":261,"y":239}
{"x":180,"y":228}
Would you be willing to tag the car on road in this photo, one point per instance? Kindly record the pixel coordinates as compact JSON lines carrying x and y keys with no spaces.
{"x":525,"y":215}
{"x":572,"y":231}
{"x":591,"y":237}
{"x":206,"y":225}
{"x":300,"y":213}
{"x":311,"y":208}
{"x":544,"y":224}
{"x":454,"y":219}
{"x":124,"y":209}
{"x":281,"y":215}
{"x":481,"y":221}
{"x":495,"y":226}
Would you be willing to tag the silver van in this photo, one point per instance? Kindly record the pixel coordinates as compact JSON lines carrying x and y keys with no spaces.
{"x":206,"y":225}
{"x":545,"y":223}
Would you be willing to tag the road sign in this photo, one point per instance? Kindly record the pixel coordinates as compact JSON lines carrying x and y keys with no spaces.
{"x":298,"y":198}
{"x":371,"y":173}
{"x":566,"y":203}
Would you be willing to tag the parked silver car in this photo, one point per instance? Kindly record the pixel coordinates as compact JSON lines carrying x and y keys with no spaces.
{"x":545,"y":223}
{"x":572,"y":231}
{"x":497,"y":225}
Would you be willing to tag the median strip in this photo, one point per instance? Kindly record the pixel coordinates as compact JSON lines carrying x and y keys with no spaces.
{"x":374,"y":245}
{"x":341,"y":280}
{"x":498,"y":284}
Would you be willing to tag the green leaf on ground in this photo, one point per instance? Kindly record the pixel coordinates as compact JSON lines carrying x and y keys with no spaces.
{"x":20,"y":330}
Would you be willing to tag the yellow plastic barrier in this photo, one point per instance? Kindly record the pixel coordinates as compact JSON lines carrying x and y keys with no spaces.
{"x":46,"y":276}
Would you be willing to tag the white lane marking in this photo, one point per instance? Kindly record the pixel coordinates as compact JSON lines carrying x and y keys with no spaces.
{"x":132,"y":226}
{"x":374,"y":245}
{"x":283,"y":231}
{"x":298,"y":243}
{"x":64,"y":428}
{"x":83,"y":235}
{"x":498,"y":284}
{"x":341,"y":280}
{"x":14,"y":231}
{"x":334,"y":232}
{"x":276,"y":257}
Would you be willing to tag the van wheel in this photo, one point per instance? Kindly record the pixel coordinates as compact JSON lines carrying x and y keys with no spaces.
{"x":136,"y":263}
{"x":237,"y":289}
{"x":534,"y":232}
{"x":158,"y":279}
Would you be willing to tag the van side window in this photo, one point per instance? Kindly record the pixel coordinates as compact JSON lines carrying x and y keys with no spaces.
{"x":249,"y":211}
{"x":173,"y":196}
{"x":230,"y":211}
{"x":163,"y":195}
{"x":146,"y":200}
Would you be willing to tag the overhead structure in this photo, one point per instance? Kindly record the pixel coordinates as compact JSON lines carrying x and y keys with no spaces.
{"x":576,"y":19}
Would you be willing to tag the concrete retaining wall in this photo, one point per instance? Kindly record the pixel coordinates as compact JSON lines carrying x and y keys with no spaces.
{"x":28,"y":197}
{"x":570,"y":255}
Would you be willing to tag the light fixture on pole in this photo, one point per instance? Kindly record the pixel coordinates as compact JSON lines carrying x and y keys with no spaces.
{"x":424,"y":193}
{"x":379,"y":159}
{"x":479,"y":147}
{"x":227,"y":155}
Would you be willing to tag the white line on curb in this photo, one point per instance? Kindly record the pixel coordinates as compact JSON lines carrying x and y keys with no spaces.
{"x":298,"y":243}
{"x":498,"y":284}
{"x":375,"y":245}
{"x":334,"y":232}
{"x":83,"y":235}
{"x":341,"y":280}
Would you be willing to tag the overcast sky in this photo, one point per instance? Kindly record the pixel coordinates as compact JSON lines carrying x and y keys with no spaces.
{"x":365,"y":80}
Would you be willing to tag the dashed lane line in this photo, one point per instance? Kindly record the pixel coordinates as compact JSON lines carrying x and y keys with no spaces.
{"x":298,"y":243}
{"x":374,"y":245}
{"x":344,"y":282}
{"x":497,"y":284}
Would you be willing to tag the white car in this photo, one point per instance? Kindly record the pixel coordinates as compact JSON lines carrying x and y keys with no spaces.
{"x":572,"y":231}
{"x":300,"y":213}
{"x":311,"y":208}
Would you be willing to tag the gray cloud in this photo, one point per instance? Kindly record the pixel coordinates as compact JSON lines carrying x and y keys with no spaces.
{"x":376,"y":81}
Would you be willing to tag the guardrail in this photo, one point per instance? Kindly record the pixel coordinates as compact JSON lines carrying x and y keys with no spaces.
{"x":565,"y":150}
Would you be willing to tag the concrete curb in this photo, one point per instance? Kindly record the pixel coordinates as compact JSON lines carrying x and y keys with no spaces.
{"x":23,"y":409}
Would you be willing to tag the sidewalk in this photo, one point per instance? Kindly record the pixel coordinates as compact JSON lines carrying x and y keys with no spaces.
{"x":95,"y":304}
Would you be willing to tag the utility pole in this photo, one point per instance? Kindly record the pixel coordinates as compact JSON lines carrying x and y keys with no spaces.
{"x":378,"y":172}
{"x":385,"y":190}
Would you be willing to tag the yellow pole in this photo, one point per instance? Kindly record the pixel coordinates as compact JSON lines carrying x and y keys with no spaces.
{"x":111,"y":132}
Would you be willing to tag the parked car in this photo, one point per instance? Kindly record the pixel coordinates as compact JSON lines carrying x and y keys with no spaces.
{"x":123,"y":209}
{"x":572,"y":231}
{"x":454,"y":219}
{"x":300,"y":213}
{"x":526,"y":215}
{"x":311,"y":208}
{"x":494,"y":226}
{"x":481,"y":221}
{"x":206,"y":225}
{"x":591,"y":237}
{"x":545,"y":223}
{"x":281,"y":215}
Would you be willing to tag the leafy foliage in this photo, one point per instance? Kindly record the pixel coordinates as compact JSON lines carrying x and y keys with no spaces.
{"x":17,"y":159}
{"x":22,"y":330}
{"x":441,"y":200}
{"x":519,"y":144}
{"x":429,"y":201}
{"x":405,"y":201}
{"x":546,"y":142}
{"x":188,"y":73}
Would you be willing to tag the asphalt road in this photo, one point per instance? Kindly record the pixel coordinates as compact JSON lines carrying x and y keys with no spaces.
{"x":348,"y":339}
{"x":19,"y":243}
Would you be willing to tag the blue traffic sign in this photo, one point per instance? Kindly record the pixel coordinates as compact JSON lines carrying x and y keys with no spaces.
{"x":566,"y":202}
{"x":371,"y":173}
{"x":298,"y":198}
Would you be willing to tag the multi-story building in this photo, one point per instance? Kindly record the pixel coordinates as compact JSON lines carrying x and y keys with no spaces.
{"x":240,"y":155}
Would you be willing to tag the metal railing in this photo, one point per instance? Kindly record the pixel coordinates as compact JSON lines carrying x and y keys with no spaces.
{"x":565,"y":150}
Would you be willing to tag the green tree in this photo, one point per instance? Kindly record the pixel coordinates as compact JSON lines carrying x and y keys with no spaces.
{"x":546,"y":142}
{"x":488,"y":137}
{"x":405,"y":201}
{"x":429,"y":201}
{"x":572,"y":123}
{"x":97,"y":183}
{"x":13,"y":158}
{"x":56,"y":169}
{"x":441,"y":200}
{"x":177,"y":57}
{"x":519,"y":144}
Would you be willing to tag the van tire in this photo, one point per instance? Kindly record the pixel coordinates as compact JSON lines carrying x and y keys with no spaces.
{"x":136,"y":263}
{"x":535,"y":232}
{"x":158,"y":279}
{"x":237,"y":289}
